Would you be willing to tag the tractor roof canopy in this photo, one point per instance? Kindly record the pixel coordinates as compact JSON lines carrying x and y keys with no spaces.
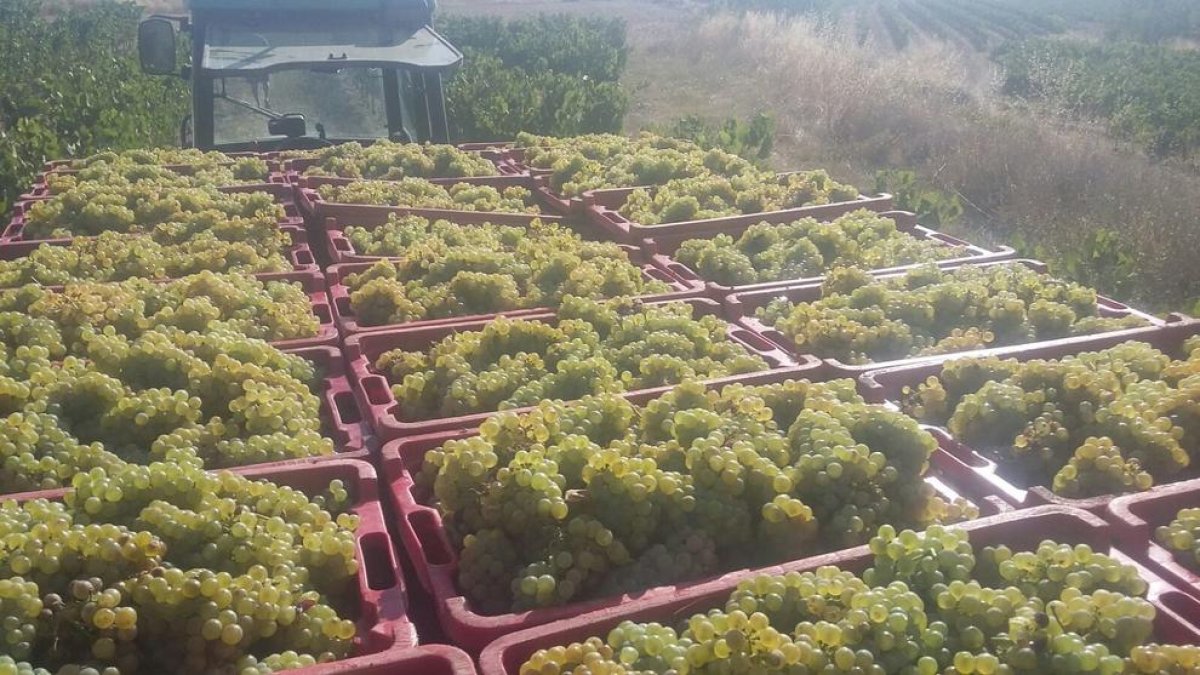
{"x":265,"y":41}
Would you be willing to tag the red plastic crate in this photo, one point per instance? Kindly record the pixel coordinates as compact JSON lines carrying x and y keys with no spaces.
{"x":424,"y":660}
{"x":664,"y":248}
{"x":347,"y":320}
{"x":314,"y":207}
{"x":603,"y":208}
{"x":887,"y":384}
{"x":298,"y":253}
{"x":743,"y":306}
{"x":1175,"y":622}
{"x":375,"y":394}
{"x":429,"y":547}
{"x":1134,"y":519}
{"x":383,"y":624}
{"x":339,"y":406}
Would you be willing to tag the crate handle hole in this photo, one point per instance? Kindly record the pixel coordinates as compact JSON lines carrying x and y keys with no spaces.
{"x":378,"y":561}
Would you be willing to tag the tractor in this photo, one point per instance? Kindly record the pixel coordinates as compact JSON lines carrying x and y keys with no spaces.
{"x":269,"y":75}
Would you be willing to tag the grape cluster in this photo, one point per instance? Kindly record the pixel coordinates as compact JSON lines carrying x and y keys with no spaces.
{"x":806,"y":248}
{"x":1095,"y":423}
{"x":422,"y":194}
{"x":155,"y":156}
{"x":925,"y":608}
{"x":600,"y":161}
{"x":170,"y":214}
{"x":272,"y":310}
{"x":241,"y":171}
{"x":714,"y":196}
{"x":103,"y":398}
{"x":593,"y":348}
{"x":116,"y":257}
{"x":571,"y":501}
{"x":446,"y":269}
{"x":860,"y":319}
{"x":167,"y":568}
{"x":387,"y":160}
{"x":1182,"y":535}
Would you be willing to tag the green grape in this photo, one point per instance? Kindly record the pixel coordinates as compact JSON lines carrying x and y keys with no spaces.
{"x":450,"y":270}
{"x":388,"y":160}
{"x":1097,"y":469}
{"x":712,"y":195}
{"x":1181,"y":535}
{"x":420,"y":193}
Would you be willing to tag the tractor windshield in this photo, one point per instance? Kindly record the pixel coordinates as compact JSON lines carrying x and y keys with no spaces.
{"x":347,"y":103}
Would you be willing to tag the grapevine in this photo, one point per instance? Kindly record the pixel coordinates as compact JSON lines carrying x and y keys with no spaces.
{"x":1117,"y":420}
{"x":446,"y":269}
{"x":571,"y":501}
{"x":859,"y":319}
{"x":593,"y":348}
{"x":962,"y":618}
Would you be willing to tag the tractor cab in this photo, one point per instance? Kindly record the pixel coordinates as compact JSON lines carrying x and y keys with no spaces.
{"x":299,"y":74}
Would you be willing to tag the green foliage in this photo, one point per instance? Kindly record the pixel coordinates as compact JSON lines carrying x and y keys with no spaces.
{"x":550,"y":74}
{"x":752,"y":140}
{"x":1147,"y":94}
{"x":71,"y":85}
{"x":1104,"y":260}
{"x":933,"y":207}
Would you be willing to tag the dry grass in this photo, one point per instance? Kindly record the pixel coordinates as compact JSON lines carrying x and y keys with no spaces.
{"x":855,"y":109}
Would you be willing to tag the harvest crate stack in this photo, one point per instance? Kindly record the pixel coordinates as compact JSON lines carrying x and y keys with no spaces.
{"x":603,"y":402}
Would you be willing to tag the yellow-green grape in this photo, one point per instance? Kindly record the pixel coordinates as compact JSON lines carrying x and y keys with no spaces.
{"x":169,"y":568}
{"x":1095,"y":423}
{"x":576,"y":500}
{"x":170,"y":215}
{"x":153,"y":156}
{"x":122,"y":172}
{"x":600,"y":161}
{"x":1182,"y":535}
{"x":713,"y":195}
{"x":595,"y":347}
{"x":272,"y":310}
{"x":1099,"y":468}
{"x":931,"y":311}
{"x":806,"y":248}
{"x":116,"y":257}
{"x":924,"y":561}
{"x":1045,"y":572}
{"x":388,"y":160}
{"x":420,"y":193}
{"x":450,"y":270}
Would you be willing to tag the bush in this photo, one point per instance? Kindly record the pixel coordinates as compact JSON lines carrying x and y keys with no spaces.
{"x":71,"y":85}
{"x":551,"y":75}
{"x":752,"y":140}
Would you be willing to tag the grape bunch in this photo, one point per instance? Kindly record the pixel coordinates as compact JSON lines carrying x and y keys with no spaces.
{"x":713,"y":196}
{"x":935,"y":610}
{"x":592,"y":348}
{"x":171,"y":215}
{"x":807,"y":248}
{"x":861,"y":319}
{"x":421,"y":194}
{"x":572,"y":501}
{"x":446,"y":269}
{"x":168,"y":568}
{"x":387,"y":160}
{"x":104,"y":398}
{"x":241,"y":171}
{"x":1182,"y":535}
{"x":272,"y":310}
{"x":600,"y":161}
{"x":1095,"y":423}
{"x":154,"y":157}
{"x":115,"y":257}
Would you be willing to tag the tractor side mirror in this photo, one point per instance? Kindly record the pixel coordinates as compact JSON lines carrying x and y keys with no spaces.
{"x":156,"y":46}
